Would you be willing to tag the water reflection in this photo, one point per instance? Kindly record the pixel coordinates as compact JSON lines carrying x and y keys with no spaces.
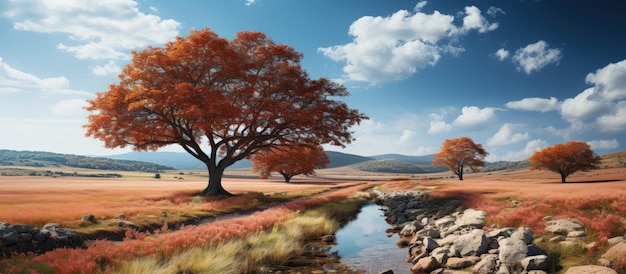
{"x":363,"y":243}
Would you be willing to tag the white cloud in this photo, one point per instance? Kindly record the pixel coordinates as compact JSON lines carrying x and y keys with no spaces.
{"x":531,"y":147}
{"x":609,"y":81}
{"x":614,"y":121}
{"x":249,"y":2}
{"x":398,"y":46}
{"x":501,"y":54}
{"x":473,"y":117}
{"x":13,"y":80}
{"x":507,"y":136}
{"x":493,"y":11}
{"x":109,"y":68}
{"x":603,"y":144}
{"x":535,"y":104}
{"x":535,"y":56}
{"x":582,"y":108}
{"x":407,"y":136}
{"x":475,"y":21}
{"x":438,"y":125}
{"x":425,"y":150}
{"x":70,"y":107}
{"x":101,"y":29}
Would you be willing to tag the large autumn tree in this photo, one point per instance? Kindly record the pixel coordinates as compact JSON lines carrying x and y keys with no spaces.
{"x":565,"y":159}
{"x":219,"y":100}
{"x":460,"y":153}
{"x":289,"y":161}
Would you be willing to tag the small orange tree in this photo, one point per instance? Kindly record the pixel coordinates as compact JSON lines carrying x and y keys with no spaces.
{"x":220,"y":100}
{"x":565,"y":159}
{"x":458,"y":153}
{"x":289,"y":161}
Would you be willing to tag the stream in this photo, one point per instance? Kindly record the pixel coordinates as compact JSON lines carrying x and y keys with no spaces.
{"x":363,"y":244}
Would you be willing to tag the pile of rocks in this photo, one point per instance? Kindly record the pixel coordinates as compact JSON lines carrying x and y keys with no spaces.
{"x":443,"y":237}
{"x":21,"y":238}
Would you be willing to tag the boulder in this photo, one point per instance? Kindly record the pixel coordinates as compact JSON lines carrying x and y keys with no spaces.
{"x":473,"y":218}
{"x":523,"y":233}
{"x":590,"y":269}
{"x":8,"y":236}
{"x":425,"y":265}
{"x":458,"y":263}
{"x":429,"y":243}
{"x":562,"y":227}
{"x":474,"y":243}
{"x":487,"y":265}
{"x":539,"y":262}
{"x":616,"y":253}
{"x":512,"y":251}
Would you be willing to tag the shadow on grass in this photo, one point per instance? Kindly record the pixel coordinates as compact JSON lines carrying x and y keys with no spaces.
{"x":581,"y":182}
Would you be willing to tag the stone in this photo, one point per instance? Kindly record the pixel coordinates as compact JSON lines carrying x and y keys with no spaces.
{"x":590,"y":269}
{"x":428,"y":232}
{"x":615,"y":240}
{"x":533,"y":250}
{"x":539,"y":262}
{"x":616,"y":253}
{"x":9,"y":236}
{"x":89,"y":218}
{"x":487,"y":265}
{"x":22,"y":228}
{"x":562,"y":227}
{"x":576,"y":234}
{"x":523,"y":233}
{"x":458,"y":263}
{"x":503,"y":232}
{"x":503,"y":269}
{"x":512,"y":251}
{"x":425,"y":265}
{"x":385,"y":271}
{"x":51,"y":226}
{"x":557,"y":238}
{"x":473,"y":218}
{"x":474,"y":243}
{"x":604,"y":262}
{"x":448,"y":240}
{"x":429,"y":243}
{"x":410,"y":228}
{"x":444,"y":222}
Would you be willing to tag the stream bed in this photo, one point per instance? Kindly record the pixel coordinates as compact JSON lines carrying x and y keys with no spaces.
{"x":363,"y":244}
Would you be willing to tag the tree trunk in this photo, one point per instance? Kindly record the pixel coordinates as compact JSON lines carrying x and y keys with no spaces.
{"x":286,"y":176}
{"x":563,"y":176}
{"x":214,"y":188}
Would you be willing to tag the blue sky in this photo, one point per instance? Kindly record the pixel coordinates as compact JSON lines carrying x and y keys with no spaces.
{"x":515,"y":76}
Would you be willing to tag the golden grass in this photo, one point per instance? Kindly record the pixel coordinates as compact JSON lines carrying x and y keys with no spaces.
{"x":66,"y":199}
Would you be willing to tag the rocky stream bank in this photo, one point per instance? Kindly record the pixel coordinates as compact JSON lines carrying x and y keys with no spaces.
{"x":445,"y":237}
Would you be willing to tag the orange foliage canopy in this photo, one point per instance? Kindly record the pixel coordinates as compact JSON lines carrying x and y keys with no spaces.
{"x":565,"y":159}
{"x":238,"y":96}
{"x":458,"y":153}
{"x":289,"y":161}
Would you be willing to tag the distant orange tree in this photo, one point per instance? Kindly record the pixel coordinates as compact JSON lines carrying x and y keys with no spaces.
{"x":565,"y":159}
{"x":289,"y":161}
{"x":460,"y":153}
{"x":221,"y":101}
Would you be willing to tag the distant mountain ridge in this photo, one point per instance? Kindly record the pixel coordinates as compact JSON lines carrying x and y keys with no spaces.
{"x":154,"y":161}
{"x":49,"y":159}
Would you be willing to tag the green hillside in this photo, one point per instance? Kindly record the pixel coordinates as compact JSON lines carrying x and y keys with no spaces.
{"x":48,"y":159}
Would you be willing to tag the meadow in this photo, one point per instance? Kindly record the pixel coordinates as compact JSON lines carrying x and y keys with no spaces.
{"x":256,"y":239}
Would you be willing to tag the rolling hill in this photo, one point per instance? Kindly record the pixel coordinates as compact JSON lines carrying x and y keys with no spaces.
{"x":154,"y":161}
{"x":49,"y":159}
